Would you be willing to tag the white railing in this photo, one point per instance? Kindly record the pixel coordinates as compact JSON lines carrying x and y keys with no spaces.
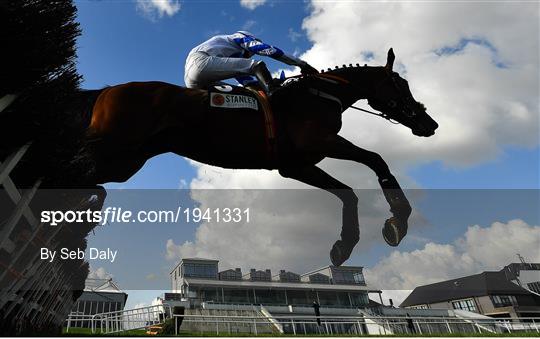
{"x":78,"y":320}
{"x":21,"y":200}
{"x":360,"y":325}
{"x":127,"y":320}
{"x":272,"y":320}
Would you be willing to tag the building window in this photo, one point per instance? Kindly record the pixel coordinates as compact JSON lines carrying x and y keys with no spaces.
{"x":238,"y":296}
{"x":270,"y":297}
{"x":420,"y":307}
{"x":359,"y":298}
{"x":466,"y":305}
{"x":503,"y":300}
{"x":260,"y":275}
{"x":343,"y":299}
{"x":328,"y":298}
{"x":209,"y":294}
{"x":319,"y":278}
{"x":299,"y":298}
{"x":534,"y":286}
{"x":288,"y":277}
{"x":347,"y":277}
{"x":230,"y":275}
{"x":342,"y":277}
{"x":358,"y":278}
{"x":200,"y":271}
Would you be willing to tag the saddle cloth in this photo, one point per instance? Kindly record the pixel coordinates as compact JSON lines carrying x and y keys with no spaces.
{"x":224,"y":97}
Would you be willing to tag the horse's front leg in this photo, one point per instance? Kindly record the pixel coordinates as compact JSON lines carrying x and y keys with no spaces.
{"x":394,"y":228}
{"x":350,"y":231}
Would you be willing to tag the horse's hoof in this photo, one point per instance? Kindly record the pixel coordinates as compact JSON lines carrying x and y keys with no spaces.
{"x":340,"y":253}
{"x":394,"y":230}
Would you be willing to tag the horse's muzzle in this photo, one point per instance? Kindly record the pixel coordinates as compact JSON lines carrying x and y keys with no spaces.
{"x":423,"y":132}
{"x":426,"y":128}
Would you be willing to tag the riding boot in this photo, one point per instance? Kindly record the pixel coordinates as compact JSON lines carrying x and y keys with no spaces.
{"x":264,"y":77}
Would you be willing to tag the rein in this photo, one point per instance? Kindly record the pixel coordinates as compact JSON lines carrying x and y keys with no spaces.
{"x":382,"y":115}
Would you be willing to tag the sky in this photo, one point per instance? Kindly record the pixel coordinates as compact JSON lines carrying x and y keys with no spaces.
{"x":473,"y":186}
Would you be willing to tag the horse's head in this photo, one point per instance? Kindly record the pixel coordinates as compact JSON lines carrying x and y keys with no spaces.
{"x":394,"y":99}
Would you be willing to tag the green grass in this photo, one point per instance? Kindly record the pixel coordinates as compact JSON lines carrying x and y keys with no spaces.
{"x":213,"y":334}
{"x":87,"y":332}
{"x":84,"y":332}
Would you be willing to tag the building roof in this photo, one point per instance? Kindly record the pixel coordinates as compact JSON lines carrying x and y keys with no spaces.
{"x":277,"y":285}
{"x":194,"y":259}
{"x":101,"y":285}
{"x":330,"y":267}
{"x":513,"y":270}
{"x":486,"y":283}
{"x":199,"y":259}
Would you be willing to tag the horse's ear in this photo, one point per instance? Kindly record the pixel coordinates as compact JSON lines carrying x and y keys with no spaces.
{"x":390,"y":59}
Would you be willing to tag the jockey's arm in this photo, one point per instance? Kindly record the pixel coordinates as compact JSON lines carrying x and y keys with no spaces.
{"x":255,"y":46}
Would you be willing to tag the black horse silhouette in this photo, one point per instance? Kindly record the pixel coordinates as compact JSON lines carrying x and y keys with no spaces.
{"x":135,"y":121}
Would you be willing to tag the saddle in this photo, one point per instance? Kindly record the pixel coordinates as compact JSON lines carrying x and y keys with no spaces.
{"x":224,"y":97}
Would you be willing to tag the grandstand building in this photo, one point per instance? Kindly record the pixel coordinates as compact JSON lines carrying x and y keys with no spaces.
{"x":202,"y":289}
{"x":200,"y":281}
{"x":330,"y":300}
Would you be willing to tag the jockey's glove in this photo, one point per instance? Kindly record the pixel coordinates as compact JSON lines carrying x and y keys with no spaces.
{"x":306,"y":68}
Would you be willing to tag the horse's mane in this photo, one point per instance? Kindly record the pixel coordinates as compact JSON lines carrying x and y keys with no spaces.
{"x":338,"y":70}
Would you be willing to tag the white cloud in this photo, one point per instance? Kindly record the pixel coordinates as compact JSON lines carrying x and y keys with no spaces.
{"x":397,"y":296}
{"x":156,"y":9}
{"x":479,"y":249}
{"x":141,"y":305}
{"x":289,"y":228}
{"x":480,"y":106}
{"x":183,"y":184}
{"x":252,"y":4}
{"x":99,"y":273}
{"x":248,"y":25}
{"x":293,"y":35}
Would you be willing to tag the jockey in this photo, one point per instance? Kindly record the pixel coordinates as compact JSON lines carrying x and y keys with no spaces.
{"x":227,"y":56}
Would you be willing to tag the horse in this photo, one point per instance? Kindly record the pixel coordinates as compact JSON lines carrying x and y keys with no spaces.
{"x":135,"y":121}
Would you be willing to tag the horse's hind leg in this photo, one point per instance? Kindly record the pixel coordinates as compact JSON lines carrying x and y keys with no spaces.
{"x":394,"y":228}
{"x":350,"y":232}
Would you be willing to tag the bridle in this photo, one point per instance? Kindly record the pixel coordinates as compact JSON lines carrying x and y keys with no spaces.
{"x":406,"y":106}
{"x":383,"y":115}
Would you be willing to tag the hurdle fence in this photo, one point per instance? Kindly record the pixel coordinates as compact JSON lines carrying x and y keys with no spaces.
{"x":24,"y":277}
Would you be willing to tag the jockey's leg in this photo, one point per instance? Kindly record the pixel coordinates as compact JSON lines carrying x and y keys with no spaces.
{"x":195,"y":64}
{"x":396,"y":227}
{"x":203,"y":70}
{"x":224,"y":68}
{"x":220,"y":68}
{"x":264,"y":77}
{"x":350,"y":231}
